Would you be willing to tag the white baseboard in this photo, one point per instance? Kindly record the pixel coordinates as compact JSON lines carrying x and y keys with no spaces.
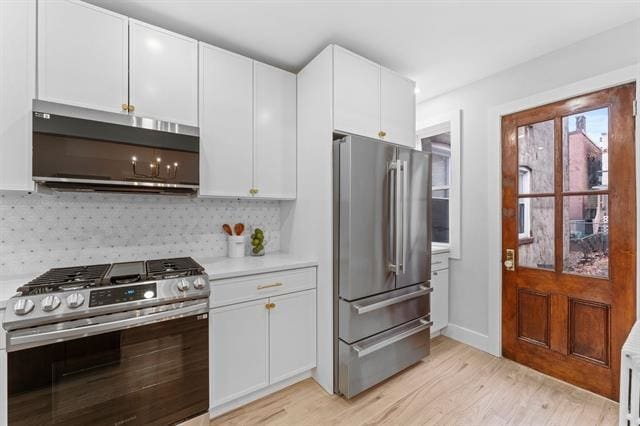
{"x":470,"y":337}
{"x":261,"y":393}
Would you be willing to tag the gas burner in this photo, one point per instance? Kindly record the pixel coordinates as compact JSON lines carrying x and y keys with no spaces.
{"x":173,"y":268}
{"x":64,"y":279}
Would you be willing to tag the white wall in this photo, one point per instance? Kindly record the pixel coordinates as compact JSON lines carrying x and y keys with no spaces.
{"x":469,"y":276}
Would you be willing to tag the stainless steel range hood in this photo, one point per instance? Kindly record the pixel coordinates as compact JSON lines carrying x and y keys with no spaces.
{"x":80,"y":149}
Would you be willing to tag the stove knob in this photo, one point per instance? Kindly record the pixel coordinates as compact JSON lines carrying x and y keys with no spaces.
{"x":74,"y":300}
{"x":23,"y":306}
{"x":199,"y":283}
{"x":183,"y":284}
{"x":50,"y":303}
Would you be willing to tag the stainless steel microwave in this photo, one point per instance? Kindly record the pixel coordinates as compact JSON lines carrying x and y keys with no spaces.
{"x":80,"y":149}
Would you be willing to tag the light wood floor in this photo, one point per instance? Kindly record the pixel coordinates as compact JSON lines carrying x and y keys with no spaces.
{"x":455,"y":385}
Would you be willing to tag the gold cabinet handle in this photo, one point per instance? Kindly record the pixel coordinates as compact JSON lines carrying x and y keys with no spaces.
{"x":132,"y":108}
{"x":382,"y":134}
{"x":125,"y":107}
{"x":270,"y":305}
{"x":253,"y":191}
{"x":262,"y":287}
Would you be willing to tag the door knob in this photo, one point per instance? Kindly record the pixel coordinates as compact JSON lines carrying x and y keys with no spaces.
{"x":509,"y":260}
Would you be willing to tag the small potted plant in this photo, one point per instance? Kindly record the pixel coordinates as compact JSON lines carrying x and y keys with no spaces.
{"x":257,"y":242}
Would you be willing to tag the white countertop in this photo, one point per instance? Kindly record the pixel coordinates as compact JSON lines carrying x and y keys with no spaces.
{"x":224,"y":267}
{"x":216,"y":267}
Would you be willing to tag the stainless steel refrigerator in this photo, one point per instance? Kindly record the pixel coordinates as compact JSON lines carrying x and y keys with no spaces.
{"x":381,"y":260}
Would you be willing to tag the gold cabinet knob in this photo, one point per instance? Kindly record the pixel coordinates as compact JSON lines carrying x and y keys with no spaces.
{"x":382,"y":133}
{"x":270,"y":305}
{"x":125,"y":107}
{"x":132,"y":108}
{"x":253,"y":191}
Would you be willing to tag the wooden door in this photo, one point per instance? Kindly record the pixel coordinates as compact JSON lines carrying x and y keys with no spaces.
{"x":397,"y":108}
{"x":239,"y":348}
{"x":274,"y":134}
{"x":163,"y":74}
{"x":356,"y":94}
{"x":226,"y":123}
{"x":569,"y":215}
{"x":292,"y":335}
{"x":82,"y":55}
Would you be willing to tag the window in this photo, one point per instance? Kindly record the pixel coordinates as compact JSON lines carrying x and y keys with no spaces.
{"x":524,"y":204}
{"x":440,"y":179}
{"x":440,"y":134}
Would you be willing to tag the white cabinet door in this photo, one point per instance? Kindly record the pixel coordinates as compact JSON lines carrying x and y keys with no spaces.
{"x":239,"y":350}
{"x":274,"y":140}
{"x":82,"y":55}
{"x":356,"y":94}
{"x":163,"y":74}
{"x":397,"y":108}
{"x":440,"y":299}
{"x":17,"y":90}
{"x":293,"y":334}
{"x":226,"y":123}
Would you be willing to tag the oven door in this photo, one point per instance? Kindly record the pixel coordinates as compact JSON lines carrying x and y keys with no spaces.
{"x":140,"y":367}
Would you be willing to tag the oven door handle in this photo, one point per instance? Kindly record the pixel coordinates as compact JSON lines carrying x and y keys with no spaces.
{"x":21,"y":339}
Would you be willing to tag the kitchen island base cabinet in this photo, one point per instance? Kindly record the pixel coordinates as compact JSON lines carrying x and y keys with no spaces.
{"x":259,"y":346}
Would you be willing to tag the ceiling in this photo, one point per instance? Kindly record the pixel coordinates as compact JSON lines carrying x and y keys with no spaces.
{"x":442,"y":45}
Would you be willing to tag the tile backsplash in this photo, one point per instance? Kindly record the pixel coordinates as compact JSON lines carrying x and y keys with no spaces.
{"x":42,"y":231}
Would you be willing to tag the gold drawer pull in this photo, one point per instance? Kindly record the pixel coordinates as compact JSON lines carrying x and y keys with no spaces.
{"x":262,"y":287}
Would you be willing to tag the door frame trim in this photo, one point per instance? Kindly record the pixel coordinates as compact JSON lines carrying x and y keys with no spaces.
{"x":617,"y":77}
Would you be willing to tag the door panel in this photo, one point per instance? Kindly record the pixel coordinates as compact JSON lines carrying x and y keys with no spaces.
{"x":274,"y":152}
{"x":397,"y":108}
{"x":356,"y":94}
{"x":569,"y":215}
{"x":226,"y":123}
{"x":239,"y":350}
{"x":82,"y":55}
{"x":163,"y":74}
{"x":415,"y":216}
{"x":365,"y":196}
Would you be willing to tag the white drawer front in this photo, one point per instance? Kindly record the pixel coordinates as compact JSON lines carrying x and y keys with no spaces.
{"x":236,"y":290}
{"x":439,"y":261}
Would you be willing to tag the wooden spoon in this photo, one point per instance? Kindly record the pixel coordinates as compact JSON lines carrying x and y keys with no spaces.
{"x":239,"y":228}
{"x":227,"y":229}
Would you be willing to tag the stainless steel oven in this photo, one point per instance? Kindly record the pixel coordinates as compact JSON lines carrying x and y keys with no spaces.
{"x":148,"y":366}
{"x":98,"y":345}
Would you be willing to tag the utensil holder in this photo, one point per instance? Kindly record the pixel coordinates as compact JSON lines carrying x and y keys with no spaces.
{"x":235,"y":246}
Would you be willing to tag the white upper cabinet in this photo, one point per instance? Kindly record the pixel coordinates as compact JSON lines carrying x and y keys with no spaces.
{"x":82,"y":55}
{"x":17,"y":90}
{"x":163,"y":74}
{"x":226,"y":123}
{"x":356,"y":94}
{"x":397,"y":108}
{"x":274,"y":132}
{"x":372,"y":101}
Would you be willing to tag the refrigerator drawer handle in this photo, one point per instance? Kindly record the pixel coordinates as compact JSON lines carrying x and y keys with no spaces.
{"x":360,"y":309}
{"x":362,"y":352}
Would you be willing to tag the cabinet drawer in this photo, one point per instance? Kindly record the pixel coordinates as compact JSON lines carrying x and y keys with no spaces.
{"x":439,"y":261}
{"x":236,"y":290}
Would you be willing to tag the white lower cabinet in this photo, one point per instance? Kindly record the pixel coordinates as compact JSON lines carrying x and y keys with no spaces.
{"x":440,"y":295}
{"x":292,"y":335}
{"x":239,"y":350}
{"x":257,"y":345}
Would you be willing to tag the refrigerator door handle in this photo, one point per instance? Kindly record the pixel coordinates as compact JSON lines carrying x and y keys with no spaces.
{"x":394,"y":207}
{"x":404,"y":216}
{"x":364,"y":309}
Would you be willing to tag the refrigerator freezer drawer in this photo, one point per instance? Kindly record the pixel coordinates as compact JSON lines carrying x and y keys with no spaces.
{"x":372,"y":315}
{"x":370,"y":361}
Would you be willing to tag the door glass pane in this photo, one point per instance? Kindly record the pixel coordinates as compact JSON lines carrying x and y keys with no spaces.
{"x":586,"y":150}
{"x":586,"y":235}
{"x":536,"y":232}
{"x":535,"y":155}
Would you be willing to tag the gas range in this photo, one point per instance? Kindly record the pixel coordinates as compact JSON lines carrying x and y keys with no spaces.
{"x":63,"y":294}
